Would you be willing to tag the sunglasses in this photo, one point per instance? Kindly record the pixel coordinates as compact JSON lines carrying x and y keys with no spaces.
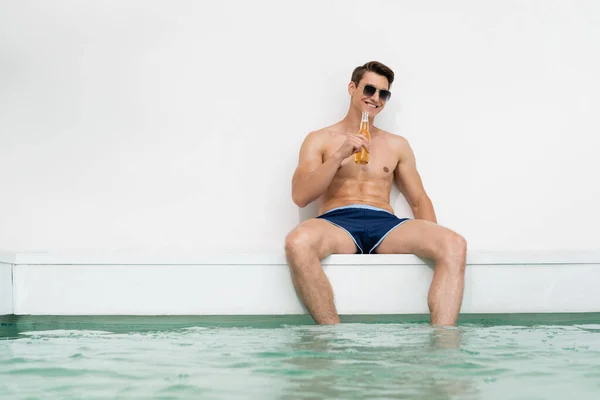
{"x":370,"y":90}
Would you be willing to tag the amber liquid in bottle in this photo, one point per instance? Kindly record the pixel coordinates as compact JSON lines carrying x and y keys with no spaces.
{"x":362,"y":157}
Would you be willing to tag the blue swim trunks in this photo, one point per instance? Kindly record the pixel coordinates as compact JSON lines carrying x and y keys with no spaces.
{"x":367,"y":225}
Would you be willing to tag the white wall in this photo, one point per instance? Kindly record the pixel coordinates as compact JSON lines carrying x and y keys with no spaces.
{"x":175,"y":125}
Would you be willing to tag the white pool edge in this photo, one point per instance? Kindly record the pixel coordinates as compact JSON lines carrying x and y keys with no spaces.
{"x":259,"y":284}
{"x":195,"y":258}
{"x":6,"y":283}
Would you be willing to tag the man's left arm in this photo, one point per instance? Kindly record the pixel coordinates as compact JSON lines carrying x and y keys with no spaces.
{"x":411,"y":186}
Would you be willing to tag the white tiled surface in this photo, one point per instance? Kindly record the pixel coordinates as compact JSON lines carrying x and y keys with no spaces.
{"x":193,"y":258}
{"x":7,"y":258}
{"x":6,"y":292}
{"x":260,"y":284}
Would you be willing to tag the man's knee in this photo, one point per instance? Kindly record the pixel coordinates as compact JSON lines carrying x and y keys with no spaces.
{"x":299,"y":241}
{"x":454,"y":249}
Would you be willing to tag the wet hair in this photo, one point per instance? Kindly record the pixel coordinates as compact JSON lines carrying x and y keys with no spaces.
{"x":373,"y":66}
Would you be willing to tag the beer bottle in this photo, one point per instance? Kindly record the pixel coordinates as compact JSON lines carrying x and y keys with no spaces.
{"x":362,"y":157}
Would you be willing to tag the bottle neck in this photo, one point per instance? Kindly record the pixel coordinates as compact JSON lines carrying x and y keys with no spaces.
{"x":364,"y":122}
{"x":364,"y":126}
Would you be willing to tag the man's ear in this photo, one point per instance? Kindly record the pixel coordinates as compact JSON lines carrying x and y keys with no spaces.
{"x":351,"y":88}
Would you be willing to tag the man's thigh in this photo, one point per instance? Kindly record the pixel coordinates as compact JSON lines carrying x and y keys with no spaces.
{"x":323,"y":236}
{"x":420,"y":237}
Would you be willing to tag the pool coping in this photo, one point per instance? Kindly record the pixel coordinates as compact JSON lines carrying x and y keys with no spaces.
{"x":189,"y":283}
{"x":202,"y":258}
{"x":7,"y":258}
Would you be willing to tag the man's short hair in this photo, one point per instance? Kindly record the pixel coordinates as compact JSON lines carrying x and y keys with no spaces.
{"x":373,"y":66}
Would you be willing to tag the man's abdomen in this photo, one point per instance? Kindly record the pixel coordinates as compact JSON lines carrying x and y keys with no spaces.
{"x":344,"y":192}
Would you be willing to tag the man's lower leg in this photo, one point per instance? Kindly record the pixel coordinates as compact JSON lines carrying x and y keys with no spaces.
{"x":446,"y":292}
{"x":313,"y":287}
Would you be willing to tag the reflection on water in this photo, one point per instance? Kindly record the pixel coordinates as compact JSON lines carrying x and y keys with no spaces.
{"x":342,"y":365}
{"x":445,"y":337}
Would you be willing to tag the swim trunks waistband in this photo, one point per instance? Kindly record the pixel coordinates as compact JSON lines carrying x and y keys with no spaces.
{"x":367,"y":207}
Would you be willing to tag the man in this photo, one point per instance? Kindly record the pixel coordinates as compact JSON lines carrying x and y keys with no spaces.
{"x":355,"y":215}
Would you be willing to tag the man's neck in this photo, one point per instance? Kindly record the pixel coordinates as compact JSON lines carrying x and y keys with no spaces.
{"x":351,"y":122}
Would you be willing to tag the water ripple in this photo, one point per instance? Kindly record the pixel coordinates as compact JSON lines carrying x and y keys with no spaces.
{"x":349,"y":361}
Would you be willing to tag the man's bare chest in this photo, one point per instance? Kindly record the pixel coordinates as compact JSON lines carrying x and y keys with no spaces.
{"x":382,"y":161}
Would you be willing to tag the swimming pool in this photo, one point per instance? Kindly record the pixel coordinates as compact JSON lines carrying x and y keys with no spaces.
{"x":541,"y":356}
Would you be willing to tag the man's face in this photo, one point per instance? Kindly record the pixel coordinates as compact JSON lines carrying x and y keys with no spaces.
{"x":366,"y":96}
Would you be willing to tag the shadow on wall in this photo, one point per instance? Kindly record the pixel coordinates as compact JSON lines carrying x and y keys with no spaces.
{"x":398,"y":202}
{"x":308,"y":212}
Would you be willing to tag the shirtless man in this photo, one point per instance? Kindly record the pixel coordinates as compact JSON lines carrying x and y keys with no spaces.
{"x":355,"y":215}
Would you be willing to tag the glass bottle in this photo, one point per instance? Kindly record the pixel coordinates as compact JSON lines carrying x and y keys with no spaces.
{"x":362,"y":157}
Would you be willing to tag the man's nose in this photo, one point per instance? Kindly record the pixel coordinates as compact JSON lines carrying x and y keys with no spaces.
{"x":375,"y":97}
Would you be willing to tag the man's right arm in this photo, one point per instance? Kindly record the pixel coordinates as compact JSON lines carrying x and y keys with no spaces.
{"x":313,"y":176}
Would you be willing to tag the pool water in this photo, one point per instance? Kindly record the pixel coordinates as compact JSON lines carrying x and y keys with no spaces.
{"x":408,"y":360}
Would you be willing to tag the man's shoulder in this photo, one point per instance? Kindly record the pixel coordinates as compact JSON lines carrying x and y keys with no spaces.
{"x":322,"y":135}
{"x":323,"y":132}
{"x":394,"y":139}
{"x":316,"y":140}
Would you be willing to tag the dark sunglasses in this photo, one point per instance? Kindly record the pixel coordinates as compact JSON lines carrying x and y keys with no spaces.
{"x":370,"y":90}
